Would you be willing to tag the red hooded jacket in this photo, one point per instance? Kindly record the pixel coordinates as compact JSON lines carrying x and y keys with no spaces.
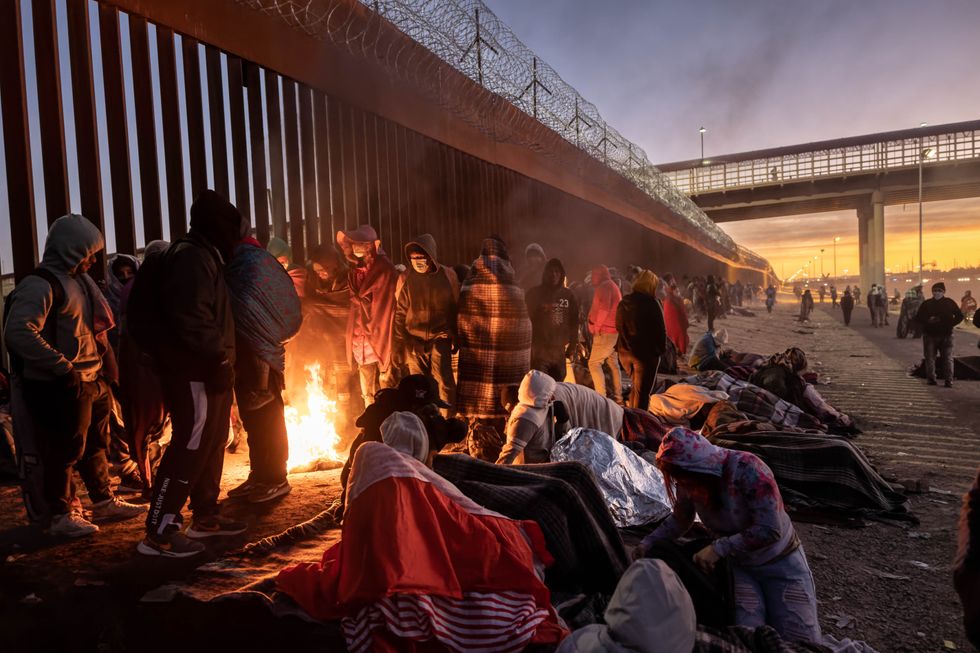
{"x":602,"y":315}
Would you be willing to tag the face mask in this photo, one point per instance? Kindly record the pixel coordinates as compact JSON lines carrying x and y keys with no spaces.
{"x":937,"y":294}
{"x":420,"y":265}
{"x":360,"y":250}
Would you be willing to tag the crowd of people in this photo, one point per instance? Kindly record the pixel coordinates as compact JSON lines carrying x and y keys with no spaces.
{"x":459,"y":381}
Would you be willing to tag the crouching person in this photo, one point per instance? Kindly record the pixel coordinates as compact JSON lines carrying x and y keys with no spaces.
{"x":55,"y":320}
{"x":736,"y":497}
{"x":196,"y":359}
{"x":267,"y":315}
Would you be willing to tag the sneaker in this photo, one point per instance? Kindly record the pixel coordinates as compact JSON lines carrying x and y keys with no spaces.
{"x":931,"y":381}
{"x":948,"y":383}
{"x":242,"y":490}
{"x":115,"y":508}
{"x":171,"y":545}
{"x":262,"y":492}
{"x":72,"y":524}
{"x":131,"y":482}
{"x":214,"y":527}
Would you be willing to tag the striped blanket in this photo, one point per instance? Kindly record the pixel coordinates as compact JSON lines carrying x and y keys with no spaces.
{"x":494,"y":334}
{"x":757,"y":403}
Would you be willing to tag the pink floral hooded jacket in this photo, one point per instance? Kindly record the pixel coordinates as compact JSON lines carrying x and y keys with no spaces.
{"x":749,"y":518}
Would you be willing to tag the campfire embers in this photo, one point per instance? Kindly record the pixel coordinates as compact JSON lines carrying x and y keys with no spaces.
{"x":313,"y":438}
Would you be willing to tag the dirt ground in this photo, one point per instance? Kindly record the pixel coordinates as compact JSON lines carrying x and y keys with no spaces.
{"x":888,"y":585}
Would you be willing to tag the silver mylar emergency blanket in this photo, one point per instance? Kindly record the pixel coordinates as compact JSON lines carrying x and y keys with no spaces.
{"x":633,"y":488}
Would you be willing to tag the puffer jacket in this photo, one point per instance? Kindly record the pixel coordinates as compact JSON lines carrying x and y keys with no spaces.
{"x":640,"y":320}
{"x":426,"y":306}
{"x":47,"y":356}
{"x":602,"y":315}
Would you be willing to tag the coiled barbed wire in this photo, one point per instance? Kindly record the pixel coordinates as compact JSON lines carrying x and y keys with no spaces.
{"x":470,"y":38}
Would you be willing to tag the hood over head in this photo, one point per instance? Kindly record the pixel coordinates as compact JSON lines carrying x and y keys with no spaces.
{"x":425,"y":244}
{"x":404,"y":432}
{"x":537,"y":389}
{"x":155,"y":248}
{"x":684,"y":449}
{"x":217,"y":219}
{"x":279,"y":247}
{"x":117,"y":261}
{"x":646,"y":282}
{"x":532,"y":249}
{"x":600,"y":274}
{"x":650,"y":612}
{"x":553,"y":264}
{"x":71,"y":239}
{"x":326,"y":255}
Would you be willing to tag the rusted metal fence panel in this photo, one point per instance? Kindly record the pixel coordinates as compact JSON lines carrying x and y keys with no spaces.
{"x":54,"y":160}
{"x":146,"y":141}
{"x":172,"y":138}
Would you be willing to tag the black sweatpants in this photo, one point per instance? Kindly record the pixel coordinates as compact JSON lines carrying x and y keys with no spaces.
{"x":644,"y":376}
{"x":268,"y":444}
{"x":191,"y":465}
{"x":72,"y":433}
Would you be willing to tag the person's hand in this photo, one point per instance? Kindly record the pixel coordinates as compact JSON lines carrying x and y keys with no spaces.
{"x":72,"y":383}
{"x":706,"y":559}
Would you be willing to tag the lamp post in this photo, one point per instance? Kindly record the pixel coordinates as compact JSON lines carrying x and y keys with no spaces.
{"x":701,"y":131}
{"x":924,"y":153}
{"x":821,"y":265}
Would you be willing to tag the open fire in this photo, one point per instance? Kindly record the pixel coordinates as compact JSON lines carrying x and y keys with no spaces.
{"x":313,"y":437}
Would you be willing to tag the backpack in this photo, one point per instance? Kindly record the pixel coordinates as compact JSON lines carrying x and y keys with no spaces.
{"x":145,"y":319}
{"x":50,"y":324}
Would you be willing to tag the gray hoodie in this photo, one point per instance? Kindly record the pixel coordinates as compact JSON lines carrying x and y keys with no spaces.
{"x":71,"y":239}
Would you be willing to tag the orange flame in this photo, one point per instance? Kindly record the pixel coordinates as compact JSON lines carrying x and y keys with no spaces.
{"x":312,"y":432}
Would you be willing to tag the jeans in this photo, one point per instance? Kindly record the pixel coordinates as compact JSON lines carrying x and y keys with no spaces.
{"x":944,"y":345}
{"x":604,"y":351}
{"x":779,"y":594}
{"x":644,"y":376}
{"x":192,"y":464}
{"x":435,"y":359}
{"x":373,"y":378}
{"x":72,"y":433}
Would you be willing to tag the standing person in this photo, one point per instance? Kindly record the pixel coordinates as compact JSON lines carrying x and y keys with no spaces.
{"x":856,"y":293}
{"x":424,"y":328}
{"x":494,"y":335}
{"x":847,"y":306}
{"x":675,"y":317}
{"x":602,"y":326}
{"x":554,"y":314}
{"x":196,"y":360}
{"x":833,"y":296}
{"x":534,"y":261}
{"x":882,"y":300}
{"x":267,"y":315}
{"x":373,"y":280}
{"x":283,"y":253}
{"x":873,"y":304}
{"x":55,"y":319}
{"x":806,"y":306}
{"x":712,"y":301}
{"x":736,"y":497}
{"x":938,"y":316}
{"x":822,"y":291}
{"x":968,"y":305}
{"x":770,"y":297}
{"x":642,"y":337}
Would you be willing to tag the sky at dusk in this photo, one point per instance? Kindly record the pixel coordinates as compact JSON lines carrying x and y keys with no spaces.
{"x":766,"y":73}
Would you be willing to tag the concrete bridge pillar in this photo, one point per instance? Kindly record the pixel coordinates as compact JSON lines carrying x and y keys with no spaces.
{"x":871,"y":241}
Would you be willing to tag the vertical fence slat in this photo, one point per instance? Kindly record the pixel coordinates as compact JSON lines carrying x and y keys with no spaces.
{"x":239,"y":150}
{"x":277,"y":184}
{"x":116,"y":130}
{"x":294,"y":189}
{"x":337,"y":184}
{"x":384,"y":192}
{"x":323,"y":182}
{"x":83,"y":105}
{"x":311,"y":213}
{"x":256,"y":128}
{"x":216,"y":111}
{"x":146,"y":141}
{"x":397,"y":183}
{"x":172,"y":150}
{"x":16,"y":140}
{"x":348,"y":135}
{"x":195,"y":116}
{"x":53,"y":157}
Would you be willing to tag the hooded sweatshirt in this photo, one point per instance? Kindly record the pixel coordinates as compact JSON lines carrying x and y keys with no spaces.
{"x":426,"y":306}
{"x":280,"y":248}
{"x":83,"y":315}
{"x":747,"y":513}
{"x":554,"y":313}
{"x":530,"y":428}
{"x":640,"y":320}
{"x":602,"y":315}
{"x":650,"y":612}
{"x":531,"y":272}
{"x":404,"y":432}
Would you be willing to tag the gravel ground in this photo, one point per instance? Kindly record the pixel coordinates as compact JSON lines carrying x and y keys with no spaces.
{"x":887,"y":585}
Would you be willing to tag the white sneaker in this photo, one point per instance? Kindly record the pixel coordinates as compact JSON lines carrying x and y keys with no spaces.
{"x":72,"y":524}
{"x":116,"y":508}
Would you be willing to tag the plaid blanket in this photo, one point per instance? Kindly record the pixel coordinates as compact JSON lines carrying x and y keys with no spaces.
{"x":739,"y":639}
{"x":821,"y":472}
{"x":494,"y":334}
{"x":757,"y":403}
{"x":564,"y":501}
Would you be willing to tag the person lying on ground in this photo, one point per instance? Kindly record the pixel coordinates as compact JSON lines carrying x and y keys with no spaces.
{"x":54,"y":326}
{"x":736,"y":497}
{"x":542,"y":410}
{"x":419,"y":566}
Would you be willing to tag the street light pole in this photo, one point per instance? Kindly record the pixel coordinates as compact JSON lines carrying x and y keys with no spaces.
{"x":821,"y":265}
{"x":921,"y":157}
{"x":702,"y":130}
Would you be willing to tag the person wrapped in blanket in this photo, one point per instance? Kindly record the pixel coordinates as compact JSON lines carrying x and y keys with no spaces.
{"x":736,"y":497}
{"x":542,"y":410}
{"x":419,"y":566}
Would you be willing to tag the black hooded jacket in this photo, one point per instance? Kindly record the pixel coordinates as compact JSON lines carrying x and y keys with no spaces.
{"x":554,"y":312}
{"x":425,"y":309}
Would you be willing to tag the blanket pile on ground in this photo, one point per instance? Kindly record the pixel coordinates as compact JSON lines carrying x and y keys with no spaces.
{"x":755,"y":402}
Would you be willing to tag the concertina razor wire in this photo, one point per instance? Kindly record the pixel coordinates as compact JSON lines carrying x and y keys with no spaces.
{"x":469,"y":37}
